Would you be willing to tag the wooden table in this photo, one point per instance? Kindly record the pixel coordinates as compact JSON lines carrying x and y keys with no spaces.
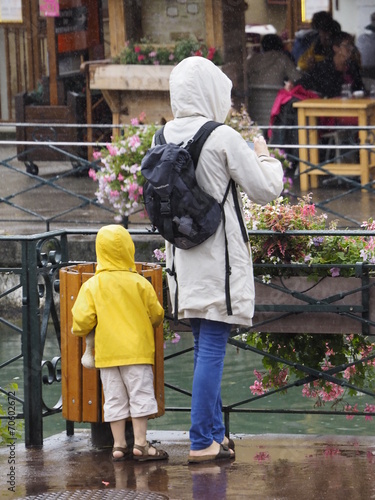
{"x":309,"y":111}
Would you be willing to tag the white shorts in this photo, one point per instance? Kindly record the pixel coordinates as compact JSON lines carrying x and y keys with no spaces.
{"x":128,"y":392}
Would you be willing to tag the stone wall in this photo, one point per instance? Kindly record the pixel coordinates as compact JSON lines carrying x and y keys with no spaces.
{"x":165,"y":21}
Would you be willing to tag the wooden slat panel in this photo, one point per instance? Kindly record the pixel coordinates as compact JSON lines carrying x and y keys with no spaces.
{"x":91,"y":385}
{"x":64,"y":340}
{"x":153,"y":272}
{"x":71,"y":367}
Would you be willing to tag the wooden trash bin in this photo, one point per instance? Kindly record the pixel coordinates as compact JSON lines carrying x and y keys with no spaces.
{"x":82,"y":395}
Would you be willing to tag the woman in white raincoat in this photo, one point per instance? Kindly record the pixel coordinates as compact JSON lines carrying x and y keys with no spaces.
{"x":200,"y":91}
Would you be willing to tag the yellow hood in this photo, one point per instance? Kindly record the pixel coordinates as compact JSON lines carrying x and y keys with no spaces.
{"x":114,"y":249}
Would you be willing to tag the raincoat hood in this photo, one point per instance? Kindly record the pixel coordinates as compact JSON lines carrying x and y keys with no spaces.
{"x":199,"y":88}
{"x":114,"y":249}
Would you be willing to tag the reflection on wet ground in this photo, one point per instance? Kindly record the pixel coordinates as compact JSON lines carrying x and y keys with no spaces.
{"x":266,"y":467}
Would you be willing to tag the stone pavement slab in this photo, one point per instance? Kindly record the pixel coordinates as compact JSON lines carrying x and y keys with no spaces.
{"x":266,"y":467}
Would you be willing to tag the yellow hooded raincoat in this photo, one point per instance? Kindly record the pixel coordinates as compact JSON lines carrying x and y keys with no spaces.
{"x":119,"y":303}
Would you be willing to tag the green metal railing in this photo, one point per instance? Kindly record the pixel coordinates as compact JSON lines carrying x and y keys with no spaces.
{"x":36,"y":277}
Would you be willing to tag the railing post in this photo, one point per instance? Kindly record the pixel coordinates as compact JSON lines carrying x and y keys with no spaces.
{"x":31,"y":346}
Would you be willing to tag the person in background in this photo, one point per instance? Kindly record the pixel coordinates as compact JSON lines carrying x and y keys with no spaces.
{"x":328,"y":76}
{"x":123,"y":308}
{"x":210,"y":297}
{"x":366,"y":47}
{"x":273,"y":65}
{"x":320,"y":47}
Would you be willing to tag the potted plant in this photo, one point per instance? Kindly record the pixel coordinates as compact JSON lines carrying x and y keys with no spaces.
{"x":138,"y":78}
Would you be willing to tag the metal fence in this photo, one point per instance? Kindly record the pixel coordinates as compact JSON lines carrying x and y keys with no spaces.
{"x":61,"y":201}
{"x":29,"y":307}
{"x":30,"y":177}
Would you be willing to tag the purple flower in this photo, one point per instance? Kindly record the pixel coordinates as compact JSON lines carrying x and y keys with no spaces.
{"x":335,"y":272}
{"x":176,"y":338}
{"x":318,"y":240}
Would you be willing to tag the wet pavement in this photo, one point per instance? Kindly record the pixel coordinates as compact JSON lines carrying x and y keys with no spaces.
{"x":266,"y":467}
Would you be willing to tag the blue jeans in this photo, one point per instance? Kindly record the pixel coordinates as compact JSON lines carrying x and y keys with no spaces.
{"x":210,"y":340}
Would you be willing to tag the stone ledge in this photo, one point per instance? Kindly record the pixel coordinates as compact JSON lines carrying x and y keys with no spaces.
{"x":82,"y":250}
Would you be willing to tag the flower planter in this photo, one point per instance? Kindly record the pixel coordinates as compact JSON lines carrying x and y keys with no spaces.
{"x":299,"y":305}
{"x":131,"y":89}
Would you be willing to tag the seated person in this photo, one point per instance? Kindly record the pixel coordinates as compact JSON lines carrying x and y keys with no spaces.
{"x":366,"y":47}
{"x":327,"y":77}
{"x":273,"y":65}
{"x":320,"y":46}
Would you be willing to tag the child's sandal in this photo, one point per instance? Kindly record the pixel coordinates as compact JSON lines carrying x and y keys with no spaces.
{"x":125,"y":453}
{"x":159,"y":454}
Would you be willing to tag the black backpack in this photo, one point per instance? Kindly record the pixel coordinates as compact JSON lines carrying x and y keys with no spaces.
{"x":178,"y":208}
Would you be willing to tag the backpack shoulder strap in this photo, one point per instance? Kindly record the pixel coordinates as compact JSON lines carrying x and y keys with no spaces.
{"x":196,"y":144}
{"x":159,"y":136}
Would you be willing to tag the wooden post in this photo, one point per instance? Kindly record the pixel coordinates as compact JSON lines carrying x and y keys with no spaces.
{"x":52,"y":61}
{"x":214,"y":24}
{"x":117,"y":30}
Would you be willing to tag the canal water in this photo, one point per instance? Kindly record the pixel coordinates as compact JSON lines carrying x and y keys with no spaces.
{"x":238,"y":376}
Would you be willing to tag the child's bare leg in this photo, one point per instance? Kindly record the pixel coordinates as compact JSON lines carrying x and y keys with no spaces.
{"x":140,"y":429}
{"x":118,"y":433}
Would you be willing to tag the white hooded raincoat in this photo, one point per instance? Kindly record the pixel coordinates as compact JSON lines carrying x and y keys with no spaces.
{"x":200,"y":91}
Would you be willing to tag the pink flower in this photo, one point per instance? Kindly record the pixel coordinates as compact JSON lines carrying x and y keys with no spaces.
{"x":308,"y":392}
{"x":112,"y":149}
{"x":97,"y":155}
{"x":354,"y":408}
{"x":329,"y":352}
{"x":134,"y":142}
{"x":261,"y":456}
{"x":137,"y":49}
{"x":211,"y":53}
{"x":369,"y":409}
{"x":141,"y":58}
{"x":257,"y":388}
{"x":92,"y":174}
{"x":330,"y":451}
{"x":349,"y":372}
{"x":120,"y":177}
{"x":134,"y":121}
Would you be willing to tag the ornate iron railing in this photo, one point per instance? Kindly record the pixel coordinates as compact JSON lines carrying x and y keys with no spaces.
{"x":29,"y":306}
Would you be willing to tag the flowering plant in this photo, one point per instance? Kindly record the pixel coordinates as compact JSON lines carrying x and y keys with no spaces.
{"x":281,"y":216}
{"x":145,"y":53}
{"x":119,"y":177}
{"x":320,"y":352}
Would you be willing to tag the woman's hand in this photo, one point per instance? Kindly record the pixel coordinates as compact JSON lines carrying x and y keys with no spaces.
{"x":260,"y":146}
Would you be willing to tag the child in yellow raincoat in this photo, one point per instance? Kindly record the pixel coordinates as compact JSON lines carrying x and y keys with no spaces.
{"x":123,"y":308}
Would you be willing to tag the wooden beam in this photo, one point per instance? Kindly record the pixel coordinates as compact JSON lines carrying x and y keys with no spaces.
{"x":117,"y":26}
{"x":214,"y":23}
{"x":52,"y":61}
